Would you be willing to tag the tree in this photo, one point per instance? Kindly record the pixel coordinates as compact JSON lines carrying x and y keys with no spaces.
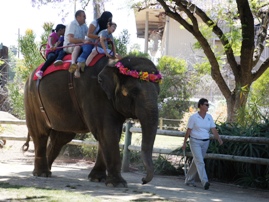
{"x":174,"y":88}
{"x":98,"y":6}
{"x":121,"y":42}
{"x":84,"y":3}
{"x":241,"y":20}
{"x":32,"y":59}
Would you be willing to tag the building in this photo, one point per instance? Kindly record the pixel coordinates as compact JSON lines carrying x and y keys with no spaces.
{"x":172,"y":39}
{"x":152,"y":25}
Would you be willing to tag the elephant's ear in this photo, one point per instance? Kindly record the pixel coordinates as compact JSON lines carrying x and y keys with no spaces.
{"x":109,"y":81}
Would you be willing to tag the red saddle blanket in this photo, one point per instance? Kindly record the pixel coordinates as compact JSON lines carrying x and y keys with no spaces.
{"x":65,"y":65}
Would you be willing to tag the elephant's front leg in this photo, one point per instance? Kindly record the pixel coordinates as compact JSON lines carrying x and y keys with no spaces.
{"x":111,"y":152}
{"x":41,"y":165}
{"x":109,"y":160}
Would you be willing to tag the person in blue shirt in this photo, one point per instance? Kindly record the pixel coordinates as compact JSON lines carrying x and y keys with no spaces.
{"x":95,"y":27}
{"x":102,"y":48}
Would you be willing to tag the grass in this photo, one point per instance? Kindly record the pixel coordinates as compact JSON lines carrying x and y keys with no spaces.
{"x":161,"y":141}
{"x":10,"y":192}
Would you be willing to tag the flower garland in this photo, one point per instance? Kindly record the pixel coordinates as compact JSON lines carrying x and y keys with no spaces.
{"x":155,"y":77}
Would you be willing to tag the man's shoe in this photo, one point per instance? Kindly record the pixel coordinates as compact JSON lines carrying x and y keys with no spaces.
{"x":39,"y":74}
{"x":81,"y":65}
{"x":206,"y":186}
{"x":73,"y":68}
{"x":58,"y":63}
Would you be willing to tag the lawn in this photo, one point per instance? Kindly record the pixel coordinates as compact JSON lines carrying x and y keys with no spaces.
{"x":161,"y":141}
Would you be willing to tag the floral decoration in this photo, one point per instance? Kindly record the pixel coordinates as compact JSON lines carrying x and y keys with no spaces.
{"x":145,"y":76}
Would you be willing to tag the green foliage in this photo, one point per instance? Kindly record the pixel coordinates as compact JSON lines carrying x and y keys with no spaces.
{"x":137,"y":53}
{"x":47,"y":26}
{"x":203,"y":67}
{"x":175,"y":87}
{"x":135,"y":157}
{"x":32,"y":59}
{"x":16,"y":99}
{"x":121,"y":42}
{"x":252,"y":113}
{"x":89,"y":151}
{"x":260,"y":89}
{"x":245,"y":174}
{"x":12,"y":63}
{"x":30,"y":51}
{"x":164,"y":167}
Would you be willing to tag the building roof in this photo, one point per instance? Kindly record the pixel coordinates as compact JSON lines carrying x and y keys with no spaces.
{"x":156,"y":20}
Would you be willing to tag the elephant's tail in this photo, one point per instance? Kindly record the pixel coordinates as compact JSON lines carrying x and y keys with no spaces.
{"x":25,"y":147}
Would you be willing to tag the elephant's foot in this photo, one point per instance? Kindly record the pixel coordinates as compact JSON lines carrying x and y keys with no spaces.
{"x":97,"y":176}
{"x":113,"y":181}
{"x":42,"y":173}
{"x":41,"y":168}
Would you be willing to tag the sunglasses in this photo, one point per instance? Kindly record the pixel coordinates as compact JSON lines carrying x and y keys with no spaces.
{"x":206,"y":105}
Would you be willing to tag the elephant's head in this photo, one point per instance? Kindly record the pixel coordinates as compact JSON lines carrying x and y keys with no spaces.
{"x":132,"y":84}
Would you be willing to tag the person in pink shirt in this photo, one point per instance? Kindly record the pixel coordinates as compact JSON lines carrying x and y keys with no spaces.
{"x":54,"y":40}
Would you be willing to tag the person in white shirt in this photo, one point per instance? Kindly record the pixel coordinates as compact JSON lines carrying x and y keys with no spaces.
{"x":95,"y":27}
{"x":198,"y":128}
{"x":75,"y":33}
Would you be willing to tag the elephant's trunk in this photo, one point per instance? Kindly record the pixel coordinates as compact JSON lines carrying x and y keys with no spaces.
{"x":149,"y":132}
{"x":147,"y":160}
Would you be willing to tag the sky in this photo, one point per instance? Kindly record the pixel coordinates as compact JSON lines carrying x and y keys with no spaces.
{"x":18,"y":15}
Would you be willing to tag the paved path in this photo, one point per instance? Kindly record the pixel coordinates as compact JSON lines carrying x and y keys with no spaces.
{"x":73,"y":177}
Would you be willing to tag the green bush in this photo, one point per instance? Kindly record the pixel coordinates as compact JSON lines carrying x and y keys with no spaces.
{"x":245,"y":174}
{"x":89,"y":151}
{"x":163,"y":166}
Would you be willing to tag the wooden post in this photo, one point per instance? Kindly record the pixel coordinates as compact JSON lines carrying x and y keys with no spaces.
{"x":161,"y":123}
{"x":126,"y":151}
{"x":146,"y":32}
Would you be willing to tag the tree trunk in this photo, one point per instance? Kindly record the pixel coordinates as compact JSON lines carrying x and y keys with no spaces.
{"x":236,"y":101}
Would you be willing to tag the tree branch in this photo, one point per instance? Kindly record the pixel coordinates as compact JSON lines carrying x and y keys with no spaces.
{"x":247,"y":48}
{"x":261,"y":70}
{"x":215,"y":69}
{"x":171,"y":12}
{"x":223,"y":39}
{"x":262,"y":33}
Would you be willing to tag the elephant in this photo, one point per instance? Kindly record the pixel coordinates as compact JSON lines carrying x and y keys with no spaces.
{"x":106,"y":95}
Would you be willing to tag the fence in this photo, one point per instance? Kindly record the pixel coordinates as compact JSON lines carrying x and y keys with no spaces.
{"x":127,"y":146}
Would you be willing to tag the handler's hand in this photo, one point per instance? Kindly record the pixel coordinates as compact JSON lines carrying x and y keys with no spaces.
{"x":220,"y":141}
{"x":184,"y":146}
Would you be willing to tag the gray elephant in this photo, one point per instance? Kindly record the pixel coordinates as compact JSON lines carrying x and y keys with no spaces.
{"x":105,"y":96}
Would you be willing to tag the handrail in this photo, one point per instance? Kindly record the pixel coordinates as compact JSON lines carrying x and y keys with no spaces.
{"x":127,"y":146}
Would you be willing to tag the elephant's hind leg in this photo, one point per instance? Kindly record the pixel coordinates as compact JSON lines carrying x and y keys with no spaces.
{"x":98,"y":173}
{"x":57,"y":141}
{"x":41,"y":165}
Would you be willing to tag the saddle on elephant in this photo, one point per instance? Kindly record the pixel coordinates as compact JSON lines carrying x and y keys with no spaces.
{"x":65,"y":66}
